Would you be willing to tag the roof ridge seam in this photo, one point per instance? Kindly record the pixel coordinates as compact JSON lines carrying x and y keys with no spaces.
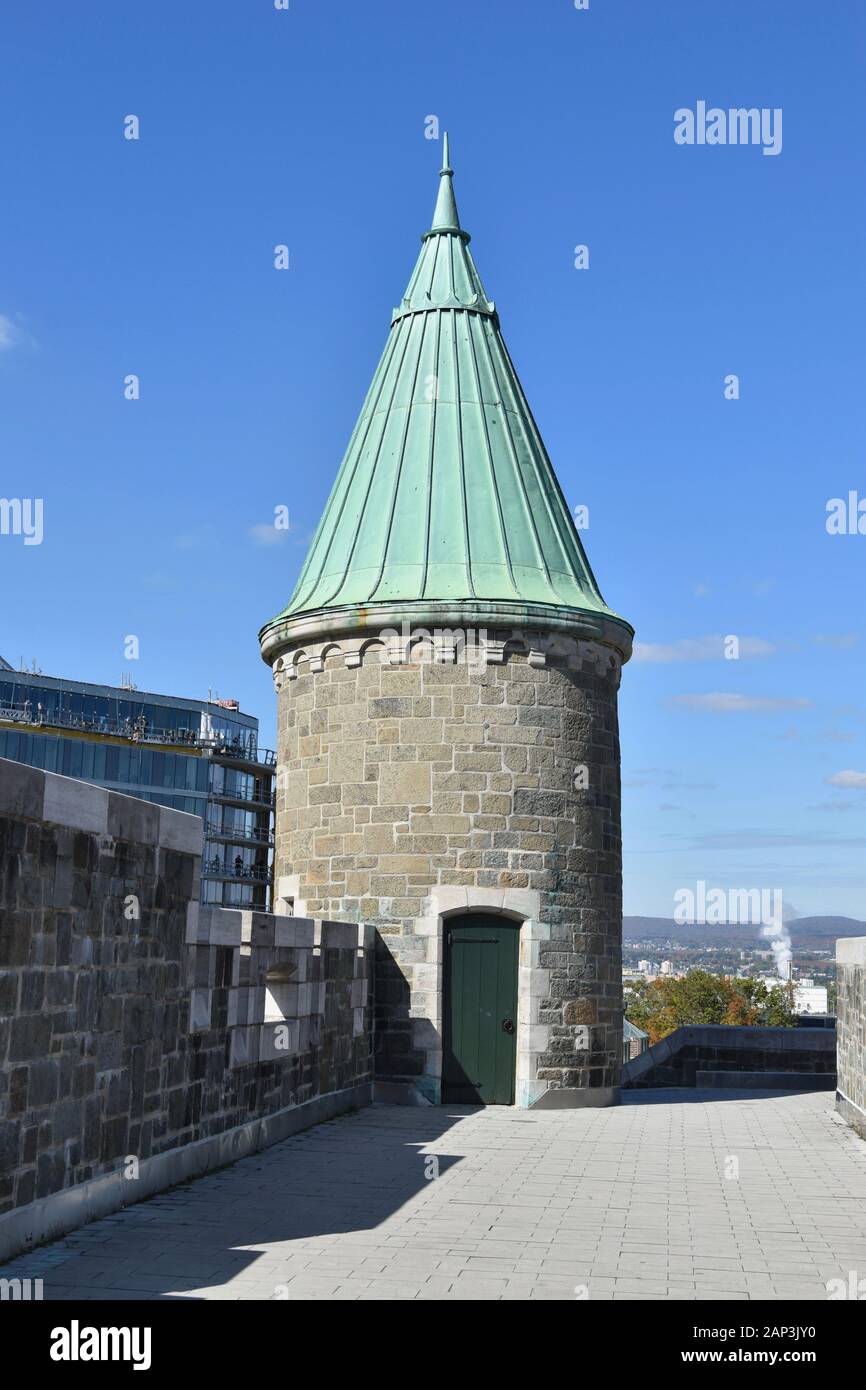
{"x":570,"y":539}
{"x":493,"y":479}
{"x":430,"y":457}
{"x":381,"y":376}
{"x":397,"y":472}
{"x":348,"y":562}
{"x":517,"y":467}
{"x":462,"y":457}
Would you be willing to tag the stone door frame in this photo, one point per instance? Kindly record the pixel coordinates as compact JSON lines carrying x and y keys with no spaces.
{"x":521,"y":905}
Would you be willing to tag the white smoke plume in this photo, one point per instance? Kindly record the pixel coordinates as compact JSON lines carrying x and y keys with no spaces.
{"x":776,"y":932}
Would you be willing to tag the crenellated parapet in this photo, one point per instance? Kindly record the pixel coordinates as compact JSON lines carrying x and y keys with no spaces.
{"x":473,"y":647}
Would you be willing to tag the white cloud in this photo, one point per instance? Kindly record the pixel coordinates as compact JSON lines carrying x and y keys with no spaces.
{"x":848,"y":778}
{"x":9,"y":334}
{"x":722,"y":702}
{"x":840,"y":640}
{"x":195,"y":540}
{"x":266,"y":533}
{"x":14,"y":333}
{"x":764,"y":840}
{"x":710,"y":648}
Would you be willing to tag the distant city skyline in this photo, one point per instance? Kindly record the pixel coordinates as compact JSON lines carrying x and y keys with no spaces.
{"x":712,"y":517}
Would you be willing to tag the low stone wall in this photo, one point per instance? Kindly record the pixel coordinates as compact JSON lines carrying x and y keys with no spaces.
{"x":143,"y":1038}
{"x":719,"y":1048}
{"x":851,"y":1031}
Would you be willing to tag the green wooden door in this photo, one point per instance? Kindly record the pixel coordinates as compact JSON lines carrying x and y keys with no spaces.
{"x":480,"y":1010}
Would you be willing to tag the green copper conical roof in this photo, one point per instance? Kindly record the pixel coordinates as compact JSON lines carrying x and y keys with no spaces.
{"x":446,"y":494}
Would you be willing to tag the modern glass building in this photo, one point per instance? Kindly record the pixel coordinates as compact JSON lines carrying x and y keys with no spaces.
{"x":197,"y":756}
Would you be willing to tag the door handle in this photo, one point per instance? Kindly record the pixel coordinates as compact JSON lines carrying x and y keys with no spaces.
{"x":507,"y":1025}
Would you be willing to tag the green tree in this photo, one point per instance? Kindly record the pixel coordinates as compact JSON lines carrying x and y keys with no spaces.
{"x":661,"y":1005}
{"x":767,"y":1006}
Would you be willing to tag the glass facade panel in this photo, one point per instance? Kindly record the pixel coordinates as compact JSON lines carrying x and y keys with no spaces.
{"x":100,"y":711}
{"x":84,"y":741}
{"x":121,"y":768}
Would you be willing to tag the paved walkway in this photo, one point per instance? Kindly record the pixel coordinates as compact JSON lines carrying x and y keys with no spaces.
{"x":640,"y":1201}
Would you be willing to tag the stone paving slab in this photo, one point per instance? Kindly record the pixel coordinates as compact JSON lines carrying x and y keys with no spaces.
{"x":672,"y":1195}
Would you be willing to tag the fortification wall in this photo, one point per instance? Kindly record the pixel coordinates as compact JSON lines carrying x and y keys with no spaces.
{"x":144,"y":1038}
{"x":851,"y":1031}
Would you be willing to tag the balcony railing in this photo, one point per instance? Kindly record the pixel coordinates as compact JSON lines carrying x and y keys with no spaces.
{"x":256,"y":794}
{"x":139,"y":731}
{"x":244,"y":752}
{"x":230,"y":832}
{"x":241,"y":873}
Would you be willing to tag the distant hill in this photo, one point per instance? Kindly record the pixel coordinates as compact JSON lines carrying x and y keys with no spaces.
{"x":815,"y":932}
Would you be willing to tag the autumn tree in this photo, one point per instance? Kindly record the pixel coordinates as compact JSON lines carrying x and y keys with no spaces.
{"x":659,"y":1006}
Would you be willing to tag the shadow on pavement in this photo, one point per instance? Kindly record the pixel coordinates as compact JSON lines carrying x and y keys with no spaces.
{"x":344,"y":1177}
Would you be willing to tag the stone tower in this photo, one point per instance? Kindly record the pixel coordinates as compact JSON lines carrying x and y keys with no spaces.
{"x":448,"y":753}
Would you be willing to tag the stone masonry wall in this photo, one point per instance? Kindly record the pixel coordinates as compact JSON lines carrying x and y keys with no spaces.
{"x":851,"y":1031}
{"x":134,"y":1023}
{"x":405,"y":780}
{"x":716,"y":1049}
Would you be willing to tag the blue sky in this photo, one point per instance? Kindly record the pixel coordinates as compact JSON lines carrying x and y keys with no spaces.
{"x":307,"y":127}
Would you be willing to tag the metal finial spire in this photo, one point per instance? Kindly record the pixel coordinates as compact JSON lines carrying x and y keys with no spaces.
{"x":445,"y":217}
